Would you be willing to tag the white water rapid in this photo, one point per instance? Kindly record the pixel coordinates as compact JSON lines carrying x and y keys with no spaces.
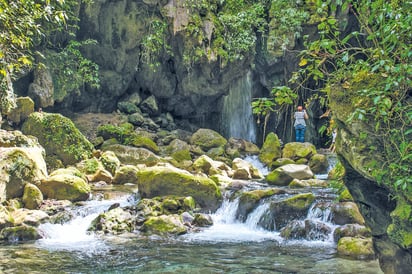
{"x":73,"y":235}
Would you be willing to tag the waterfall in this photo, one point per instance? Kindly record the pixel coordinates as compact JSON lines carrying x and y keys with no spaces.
{"x":237,"y":118}
{"x":73,"y":235}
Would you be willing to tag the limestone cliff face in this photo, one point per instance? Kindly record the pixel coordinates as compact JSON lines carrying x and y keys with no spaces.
{"x":193,"y":92}
{"x":388,"y":217}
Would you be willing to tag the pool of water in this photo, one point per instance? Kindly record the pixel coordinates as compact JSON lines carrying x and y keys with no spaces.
{"x":179,"y":255}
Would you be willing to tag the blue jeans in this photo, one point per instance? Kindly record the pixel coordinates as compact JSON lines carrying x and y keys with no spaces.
{"x":300,"y":133}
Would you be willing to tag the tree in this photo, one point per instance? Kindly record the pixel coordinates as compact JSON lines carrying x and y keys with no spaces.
{"x":25,"y":27}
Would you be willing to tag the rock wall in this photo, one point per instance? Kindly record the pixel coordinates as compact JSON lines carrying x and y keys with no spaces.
{"x":386,"y":210}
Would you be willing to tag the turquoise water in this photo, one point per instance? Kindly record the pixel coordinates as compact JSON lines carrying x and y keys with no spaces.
{"x":176,"y":256}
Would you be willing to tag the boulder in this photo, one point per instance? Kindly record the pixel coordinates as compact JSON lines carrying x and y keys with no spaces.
{"x":281,"y":211}
{"x":66,"y":184}
{"x":346,"y":213}
{"x":249,"y":200}
{"x":25,"y":106}
{"x":318,"y":163}
{"x":284,"y":175}
{"x":126,"y":174}
{"x":19,"y":166}
{"x":20,"y":234}
{"x":114,"y":221}
{"x":110,"y":161}
{"x":168,"y":180}
{"x":133,"y":155}
{"x":32,"y":196}
{"x":42,"y":88}
{"x":207,"y":139}
{"x":249,"y":171}
{"x":164,"y":225}
{"x":59,"y":136}
{"x":351,"y":230}
{"x":356,"y":248}
{"x":211,"y":167}
{"x":296,"y":151}
{"x":271,"y":149}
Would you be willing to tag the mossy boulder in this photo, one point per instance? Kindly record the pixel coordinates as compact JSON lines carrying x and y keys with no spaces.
{"x":296,"y":151}
{"x":211,"y":167}
{"x":318,"y":163}
{"x":239,"y":147}
{"x":126,"y":174}
{"x":202,"y":220}
{"x":25,"y":106}
{"x":346,"y":213}
{"x":21,"y":233}
{"x":179,"y":150}
{"x":356,"y":248}
{"x":167,"y":180}
{"x":114,"y":221}
{"x":164,"y":225}
{"x":66,"y":184}
{"x":59,"y":136}
{"x":271,"y":149}
{"x":19,"y":166}
{"x":282,"y":211}
{"x":133,"y":155}
{"x":281,"y":162}
{"x":249,"y":200}
{"x":32,"y":196}
{"x":110,"y":161}
{"x":207,"y":139}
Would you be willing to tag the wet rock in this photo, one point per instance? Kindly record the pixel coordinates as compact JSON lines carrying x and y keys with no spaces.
{"x":346,"y":213}
{"x":318,"y":163}
{"x":20,"y":234}
{"x":351,"y":230}
{"x":114,"y":221}
{"x":164,"y":225}
{"x":271,"y":149}
{"x":357,"y":248}
{"x":202,"y":220}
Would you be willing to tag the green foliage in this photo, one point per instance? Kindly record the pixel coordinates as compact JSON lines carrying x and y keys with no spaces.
{"x":375,"y":63}
{"x":155,"y":43}
{"x":71,"y":70}
{"x":26,"y":28}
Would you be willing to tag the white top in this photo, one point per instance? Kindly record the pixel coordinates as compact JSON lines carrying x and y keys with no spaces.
{"x":299,"y":118}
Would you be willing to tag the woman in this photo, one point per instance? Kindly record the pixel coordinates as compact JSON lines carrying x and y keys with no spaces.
{"x":300,"y":124}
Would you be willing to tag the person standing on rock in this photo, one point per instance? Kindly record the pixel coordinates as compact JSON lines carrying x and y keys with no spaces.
{"x":300,"y":124}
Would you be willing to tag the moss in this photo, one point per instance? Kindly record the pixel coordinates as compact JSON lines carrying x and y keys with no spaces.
{"x":356,"y":247}
{"x":158,"y":181}
{"x":345,"y":195}
{"x":59,"y":136}
{"x":300,"y":201}
{"x":164,"y":225}
{"x":400,"y":230}
{"x":141,"y":141}
{"x":271,"y":149}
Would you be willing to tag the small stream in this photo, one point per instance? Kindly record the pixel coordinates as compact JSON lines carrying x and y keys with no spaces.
{"x":229,"y":246}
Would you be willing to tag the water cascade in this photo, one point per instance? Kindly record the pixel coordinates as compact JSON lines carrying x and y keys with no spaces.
{"x":237,"y":118}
